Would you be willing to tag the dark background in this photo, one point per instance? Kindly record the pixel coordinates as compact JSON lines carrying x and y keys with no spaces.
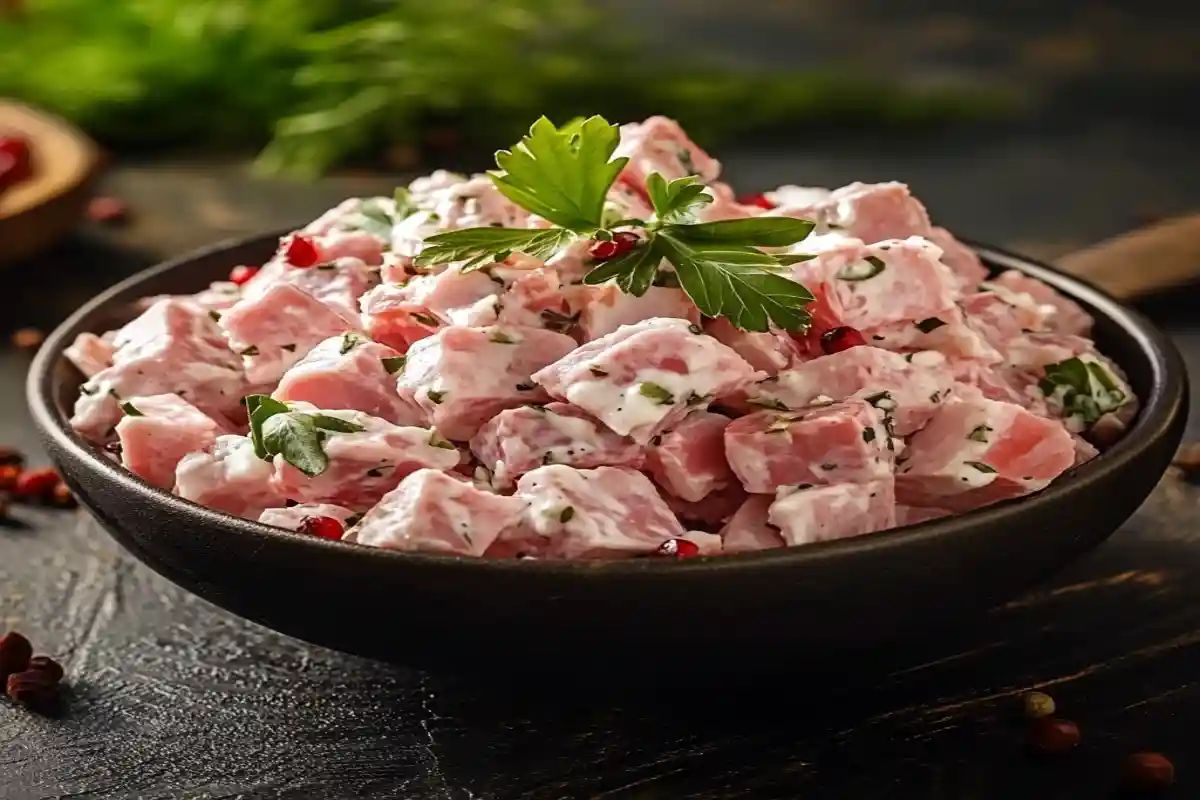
{"x":171,"y":698}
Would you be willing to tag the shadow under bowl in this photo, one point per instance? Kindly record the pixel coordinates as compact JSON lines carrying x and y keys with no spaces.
{"x":723,"y":615}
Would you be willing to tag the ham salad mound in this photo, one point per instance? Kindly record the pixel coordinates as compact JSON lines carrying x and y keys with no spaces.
{"x":600,"y":351}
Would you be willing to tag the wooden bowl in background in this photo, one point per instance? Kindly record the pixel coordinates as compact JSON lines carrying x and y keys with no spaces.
{"x":35,"y":213}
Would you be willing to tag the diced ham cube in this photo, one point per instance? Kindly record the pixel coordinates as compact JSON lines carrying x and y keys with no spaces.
{"x":390,"y":316}
{"x":1002,"y":316}
{"x":534,"y":298}
{"x":158,"y":431}
{"x":519,"y":440}
{"x":709,"y":544}
{"x":824,"y":513}
{"x":446,"y":202}
{"x":689,"y":460}
{"x":609,"y":512}
{"x":293,"y":517}
{"x":364,"y":465}
{"x":915,"y":515}
{"x":945,"y":332}
{"x":643,"y":378}
{"x":659,"y":145}
{"x":766,"y":352}
{"x":1000,"y":382}
{"x":350,"y":372}
{"x":462,"y":377}
{"x":977,"y":451}
{"x":607,"y":308}
{"x":338,"y":283}
{"x":361,"y":246}
{"x":228,"y":477}
{"x":173,"y":347}
{"x":276,"y":328}
{"x":455,"y":297}
{"x":836,"y":443}
{"x":962,"y":260}
{"x":909,"y":390}
{"x":713,"y":510}
{"x":90,"y":354}
{"x":749,"y":530}
{"x":868,"y":211}
{"x":1065,"y":315}
{"x":433,"y":512}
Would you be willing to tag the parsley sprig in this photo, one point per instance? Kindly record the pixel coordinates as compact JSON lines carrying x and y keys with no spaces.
{"x":297,"y":436}
{"x":564,"y":175}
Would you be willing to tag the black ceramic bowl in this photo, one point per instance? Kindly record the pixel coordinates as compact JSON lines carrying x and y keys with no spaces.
{"x":723,"y":613}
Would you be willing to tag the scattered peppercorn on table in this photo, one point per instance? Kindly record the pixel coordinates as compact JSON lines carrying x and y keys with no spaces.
{"x":1083,"y":687}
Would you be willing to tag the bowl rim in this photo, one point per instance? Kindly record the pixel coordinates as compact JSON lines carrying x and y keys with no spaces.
{"x":1159,"y":412}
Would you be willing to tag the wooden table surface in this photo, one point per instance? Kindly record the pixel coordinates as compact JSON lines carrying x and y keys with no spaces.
{"x":172,"y":698}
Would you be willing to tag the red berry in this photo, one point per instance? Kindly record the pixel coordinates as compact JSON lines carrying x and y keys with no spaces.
{"x":322,"y":527}
{"x":621,"y":243}
{"x":301,"y":251}
{"x":678,"y":548}
{"x":1147,"y":772}
{"x":16,"y":162}
{"x":107,"y":209}
{"x":242,"y":273}
{"x":15,"y":652}
{"x":758,"y":199}
{"x":47,"y":666}
{"x":835,"y":340}
{"x":36,"y":484}
{"x":1053,"y":737}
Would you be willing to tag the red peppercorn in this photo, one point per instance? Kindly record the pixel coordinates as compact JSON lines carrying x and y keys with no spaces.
{"x":15,"y":652}
{"x":9,"y":475}
{"x":300,"y":251}
{"x":622,"y":242}
{"x":1147,"y":772}
{"x":108,"y":210}
{"x":63,"y":497}
{"x":47,"y":666}
{"x":16,"y":162}
{"x":757,"y":199}
{"x":678,"y":548}
{"x":241,"y":274}
{"x":835,"y":340}
{"x":1053,"y":737}
{"x":37,"y":484}
{"x":322,"y":527}
{"x":34,"y":689}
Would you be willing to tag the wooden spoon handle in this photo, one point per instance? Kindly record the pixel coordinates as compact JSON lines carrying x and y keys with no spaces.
{"x":1159,"y":257}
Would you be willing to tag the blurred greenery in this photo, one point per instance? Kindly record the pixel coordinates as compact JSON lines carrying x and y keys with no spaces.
{"x":321,"y":82}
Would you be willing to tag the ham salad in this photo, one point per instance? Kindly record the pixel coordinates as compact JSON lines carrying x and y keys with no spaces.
{"x":600,"y":351}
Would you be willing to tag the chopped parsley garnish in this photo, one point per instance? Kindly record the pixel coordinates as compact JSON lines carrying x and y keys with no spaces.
{"x":929,"y":324}
{"x":526,"y":387}
{"x":882,"y":401}
{"x":437,"y":440}
{"x":982,"y":467}
{"x":131,"y":410}
{"x":768,"y":402}
{"x":500,"y":337}
{"x":349,"y":342}
{"x":297,"y":436}
{"x":655,"y":392}
{"x":252,"y":350}
{"x":215,"y":316}
{"x":375,"y":472}
{"x":435,"y":396}
{"x":567,"y":514}
{"x":1081,"y":389}
{"x":863,"y":270}
{"x":979,"y":434}
{"x":394,"y":364}
{"x":598,"y":372}
{"x":563,"y":175}
{"x":291,"y":348}
{"x":868,"y":435}
{"x":427,"y":320}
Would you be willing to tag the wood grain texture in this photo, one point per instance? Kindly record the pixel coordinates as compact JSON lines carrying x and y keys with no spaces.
{"x":1141,"y":262}
{"x":173,"y":699}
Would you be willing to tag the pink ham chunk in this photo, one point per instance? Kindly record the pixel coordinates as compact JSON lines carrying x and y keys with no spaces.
{"x":434,"y":512}
{"x":1002,"y":316}
{"x":90,"y":354}
{"x":962,"y":260}
{"x":838,"y":443}
{"x":276,"y":328}
{"x":824,"y":513}
{"x":454,"y":297}
{"x":228,"y":477}
{"x":462,"y":377}
{"x":978,"y":451}
{"x":642,"y":379}
{"x":352,"y":372}
{"x":915,"y":515}
{"x":519,"y":440}
{"x":711,"y":511}
{"x":766,"y":352}
{"x":910,"y":390}
{"x":390,"y":316}
{"x":607,"y":308}
{"x":609,"y":512}
{"x":749,"y":530}
{"x":659,"y":145}
{"x":689,"y":460}
{"x":338,"y":283}
{"x":173,"y":347}
{"x":1064,"y":315}
{"x":158,"y":431}
{"x":293,"y":517}
{"x":363,"y":465}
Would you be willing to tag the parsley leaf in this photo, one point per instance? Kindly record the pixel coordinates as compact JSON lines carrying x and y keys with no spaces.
{"x":261,"y":407}
{"x":738,"y":282}
{"x":634,"y":272}
{"x":674,"y":201}
{"x":562,"y":176}
{"x":297,"y":436}
{"x":755,"y":231}
{"x":481,"y":246}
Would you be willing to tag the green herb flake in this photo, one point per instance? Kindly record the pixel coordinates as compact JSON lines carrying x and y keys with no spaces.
{"x":979,"y":433}
{"x":428,"y":320}
{"x":349,"y":342}
{"x":437,"y":440}
{"x":131,"y":410}
{"x":252,"y":350}
{"x":214,"y":315}
{"x":598,"y":372}
{"x":659,"y":394}
{"x":982,"y":467}
{"x":291,"y":348}
{"x":500,"y":337}
{"x":375,"y":472}
{"x":868,"y":435}
{"x":566,"y":515}
{"x":696,"y":329}
{"x":394,"y":364}
{"x":768,"y":403}
{"x":929,"y":324}
{"x":863,"y":270}
{"x":436,"y":396}
{"x":526,"y":387}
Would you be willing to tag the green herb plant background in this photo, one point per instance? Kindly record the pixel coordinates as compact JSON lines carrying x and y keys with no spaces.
{"x":319,"y":83}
